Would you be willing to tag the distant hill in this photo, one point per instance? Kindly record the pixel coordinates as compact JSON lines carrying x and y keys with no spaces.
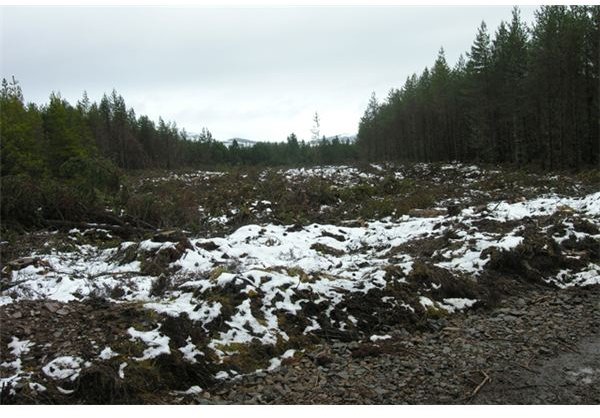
{"x":247,"y":143}
{"x":242,"y":142}
{"x":342,"y":137}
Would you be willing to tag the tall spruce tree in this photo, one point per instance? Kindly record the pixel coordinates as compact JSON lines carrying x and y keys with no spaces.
{"x":481,"y":142}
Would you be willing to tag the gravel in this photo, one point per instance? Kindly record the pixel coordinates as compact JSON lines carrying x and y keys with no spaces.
{"x":535,"y":349}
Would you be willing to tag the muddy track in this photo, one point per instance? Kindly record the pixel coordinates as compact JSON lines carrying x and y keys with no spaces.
{"x":540,"y":348}
{"x":569,"y":378}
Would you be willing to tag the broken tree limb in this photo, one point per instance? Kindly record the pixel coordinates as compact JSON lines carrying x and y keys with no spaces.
{"x":485,"y":380}
{"x":526,"y":367}
{"x":118,"y":229}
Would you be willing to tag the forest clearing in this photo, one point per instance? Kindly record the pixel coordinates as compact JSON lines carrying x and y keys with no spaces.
{"x":436,"y":243}
{"x":293,"y":266}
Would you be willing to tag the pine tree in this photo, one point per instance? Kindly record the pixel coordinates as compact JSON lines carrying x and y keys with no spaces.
{"x":20,"y":133}
{"x":442,"y":148}
{"x":509,"y":70}
{"x":63,"y":140}
{"x":481,"y":143}
{"x":367,"y":134}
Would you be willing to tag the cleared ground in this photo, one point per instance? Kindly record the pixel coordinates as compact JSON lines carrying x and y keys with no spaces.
{"x":256,"y":277}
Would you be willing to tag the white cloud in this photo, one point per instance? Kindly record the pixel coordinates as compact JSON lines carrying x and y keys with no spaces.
{"x":254,"y":72}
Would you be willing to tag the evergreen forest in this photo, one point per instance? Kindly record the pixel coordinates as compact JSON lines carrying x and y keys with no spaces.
{"x":522,"y":96}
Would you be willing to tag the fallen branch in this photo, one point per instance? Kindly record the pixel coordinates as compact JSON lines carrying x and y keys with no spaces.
{"x":118,"y":229}
{"x":541,"y":299}
{"x":526,"y":367}
{"x":112,"y":273}
{"x":485,"y":380}
{"x":569,"y":347}
{"x":406,"y":349}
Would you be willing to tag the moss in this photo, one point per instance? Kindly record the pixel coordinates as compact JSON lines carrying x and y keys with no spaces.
{"x":325,"y":249}
{"x":245,"y":358}
{"x":126,"y":255}
{"x":160,"y":285}
{"x":227,"y":305}
{"x":359,"y":193}
{"x":102,"y":384}
{"x":377,"y":208}
{"x":300,"y":273}
{"x":435,"y":312}
{"x":421,"y":199}
{"x":216,"y":272}
{"x":130,"y":347}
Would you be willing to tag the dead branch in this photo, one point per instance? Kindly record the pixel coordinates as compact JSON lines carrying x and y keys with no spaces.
{"x":112,"y":273}
{"x":485,"y":380}
{"x":118,"y":229}
{"x":526,"y":367}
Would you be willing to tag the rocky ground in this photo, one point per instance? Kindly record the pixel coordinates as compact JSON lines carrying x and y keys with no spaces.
{"x":538,"y":348}
{"x":435,"y":284}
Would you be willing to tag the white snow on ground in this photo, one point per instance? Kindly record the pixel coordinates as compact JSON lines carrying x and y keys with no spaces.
{"x":589,"y":205}
{"x":157,"y":343}
{"x":329,"y":262}
{"x":37,"y":387}
{"x":190,"y":351}
{"x":571,"y":233}
{"x":457,"y":304}
{"x":449,"y":304}
{"x":122,"y":370}
{"x":65,"y":367}
{"x":189,"y":178}
{"x":184,"y":302}
{"x":107,"y":354}
{"x":375,"y":338}
{"x":426,"y":302}
{"x":222,"y":375}
{"x":587,"y":277}
{"x":276,"y":362}
{"x":340,"y":175}
{"x":193,"y":390}
{"x":17,"y":348}
{"x":80,"y":273}
{"x":468,"y":259}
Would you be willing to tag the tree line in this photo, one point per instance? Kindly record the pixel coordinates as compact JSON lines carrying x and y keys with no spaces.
{"x":42,"y":139}
{"x":524,"y":96}
{"x":58,"y":160}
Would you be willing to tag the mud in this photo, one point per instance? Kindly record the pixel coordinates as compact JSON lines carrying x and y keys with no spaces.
{"x":569,"y":378}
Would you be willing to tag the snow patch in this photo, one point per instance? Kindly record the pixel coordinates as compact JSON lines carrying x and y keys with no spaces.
{"x":374,"y":338}
{"x":457,"y":304}
{"x":157,"y":343}
{"x":107,"y":354}
{"x":65,"y":367}
{"x":190,"y":351}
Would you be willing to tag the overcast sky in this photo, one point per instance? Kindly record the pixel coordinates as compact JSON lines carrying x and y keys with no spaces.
{"x":257,"y":73}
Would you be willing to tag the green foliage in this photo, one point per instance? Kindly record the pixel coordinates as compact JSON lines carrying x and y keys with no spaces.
{"x":527,"y":96}
{"x":20,"y":133}
{"x":92,"y":177}
{"x":21,"y":200}
{"x":50,"y":164}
